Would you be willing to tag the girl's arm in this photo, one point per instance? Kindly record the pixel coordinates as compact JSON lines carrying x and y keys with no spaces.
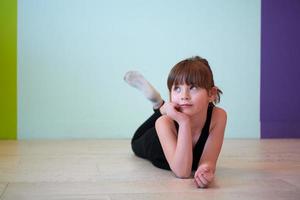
{"x":177,"y":147}
{"x":207,"y":164}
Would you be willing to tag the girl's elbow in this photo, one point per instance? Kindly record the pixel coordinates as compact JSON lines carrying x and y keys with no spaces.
{"x":182,"y":170}
{"x":182,"y":174}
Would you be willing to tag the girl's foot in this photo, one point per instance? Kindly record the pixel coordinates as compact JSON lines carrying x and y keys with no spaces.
{"x":135,"y":79}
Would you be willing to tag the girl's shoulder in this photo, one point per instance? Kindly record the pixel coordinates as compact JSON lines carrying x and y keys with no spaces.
{"x":165,"y":121}
{"x":219,"y":111}
{"x":218,"y":117}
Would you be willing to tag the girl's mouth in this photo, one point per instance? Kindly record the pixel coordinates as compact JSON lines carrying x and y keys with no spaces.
{"x":185,"y":105}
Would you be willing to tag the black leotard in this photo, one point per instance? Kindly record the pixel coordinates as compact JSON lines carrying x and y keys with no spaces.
{"x":145,"y":142}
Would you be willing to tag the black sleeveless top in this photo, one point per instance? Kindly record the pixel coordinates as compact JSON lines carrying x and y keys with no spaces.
{"x":158,"y":157}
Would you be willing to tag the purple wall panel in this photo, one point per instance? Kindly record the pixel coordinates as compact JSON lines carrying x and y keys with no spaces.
{"x":280,"y":69}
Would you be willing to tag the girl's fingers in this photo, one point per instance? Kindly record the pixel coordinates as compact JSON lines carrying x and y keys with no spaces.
{"x":203,"y":180}
{"x":203,"y":176}
{"x":202,"y":169}
{"x":208,"y":176}
{"x":198,"y":182}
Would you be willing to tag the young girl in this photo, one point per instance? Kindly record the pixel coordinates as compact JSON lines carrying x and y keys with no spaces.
{"x":186,"y":133}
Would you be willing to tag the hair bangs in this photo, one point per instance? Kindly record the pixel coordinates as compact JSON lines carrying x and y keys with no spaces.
{"x":190,"y":75}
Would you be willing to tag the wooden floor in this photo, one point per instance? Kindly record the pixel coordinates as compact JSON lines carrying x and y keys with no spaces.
{"x":107,"y":169}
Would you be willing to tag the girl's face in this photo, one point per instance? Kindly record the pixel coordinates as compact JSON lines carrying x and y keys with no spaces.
{"x":190,"y":99}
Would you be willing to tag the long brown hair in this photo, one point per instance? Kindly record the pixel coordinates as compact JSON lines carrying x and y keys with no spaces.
{"x":193,"y":71}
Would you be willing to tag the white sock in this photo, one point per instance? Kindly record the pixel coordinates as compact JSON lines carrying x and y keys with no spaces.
{"x":135,"y":79}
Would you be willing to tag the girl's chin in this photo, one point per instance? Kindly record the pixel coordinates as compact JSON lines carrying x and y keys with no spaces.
{"x":189,"y":112}
{"x":186,"y":111}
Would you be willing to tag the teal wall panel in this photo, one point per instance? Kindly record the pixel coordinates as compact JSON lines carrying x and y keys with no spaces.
{"x":72,"y":55}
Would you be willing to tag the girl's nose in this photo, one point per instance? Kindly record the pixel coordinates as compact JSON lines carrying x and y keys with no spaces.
{"x":185,"y":96}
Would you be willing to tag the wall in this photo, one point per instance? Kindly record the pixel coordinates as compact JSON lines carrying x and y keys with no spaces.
{"x":8,"y":69}
{"x":280,"y":69}
{"x":72,"y":56}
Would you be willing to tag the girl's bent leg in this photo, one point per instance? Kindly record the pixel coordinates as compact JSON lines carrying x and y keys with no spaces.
{"x":148,"y":124}
{"x":143,"y":137}
{"x":137,"y":80}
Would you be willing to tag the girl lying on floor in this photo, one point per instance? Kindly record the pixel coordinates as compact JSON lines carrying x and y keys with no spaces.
{"x":186,"y":133}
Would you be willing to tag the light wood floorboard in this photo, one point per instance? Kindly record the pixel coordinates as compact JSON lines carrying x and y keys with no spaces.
{"x":108,"y":170}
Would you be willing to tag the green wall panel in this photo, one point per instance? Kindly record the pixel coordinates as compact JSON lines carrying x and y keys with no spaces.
{"x":8,"y":69}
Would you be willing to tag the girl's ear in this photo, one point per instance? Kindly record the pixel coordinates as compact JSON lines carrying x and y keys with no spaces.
{"x":212,"y":94}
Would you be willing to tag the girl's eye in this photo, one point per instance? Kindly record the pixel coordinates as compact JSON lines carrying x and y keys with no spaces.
{"x":177,"y":89}
{"x":193,"y":87}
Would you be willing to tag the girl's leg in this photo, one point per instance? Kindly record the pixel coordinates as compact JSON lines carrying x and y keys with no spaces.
{"x":148,"y":124}
{"x":144,"y":135}
{"x":135,"y":79}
